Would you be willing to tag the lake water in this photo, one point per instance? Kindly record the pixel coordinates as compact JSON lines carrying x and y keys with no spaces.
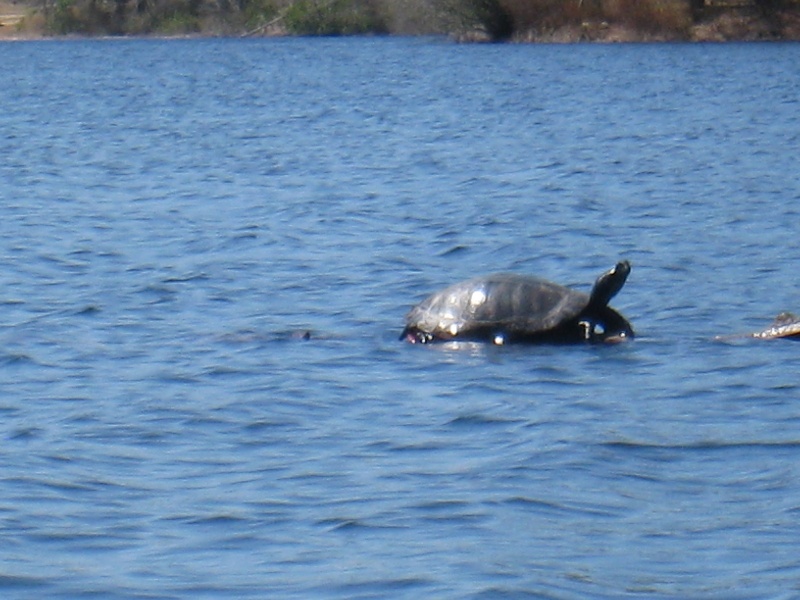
{"x":174,"y":214}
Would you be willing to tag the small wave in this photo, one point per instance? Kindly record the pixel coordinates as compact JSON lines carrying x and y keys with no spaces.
{"x":160,"y":294}
{"x":12,"y":302}
{"x":25,"y":433}
{"x":186,"y":278}
{"x":351,"y":524}
{"x":16,"y":360}
{"x":250,"y":336}
{"x":341,"y":524}
{"x":459,"y":249}
{"x":545,"y":506}
{"x":179,"y":378}
{"x":225,"y":372}
{"x":219,"y":519}
{"x":292,"y":335}
{"x":423,"y":446}
{"x":88,"y":311}
{"x":472,"y":420}
{"x":535,"y":503}
{"x":441,"y":506}
{"x":270,"y":425}
{"x":14,"y":582}
{"x":383,"y":588}
{"x":703,"y":445}
{"x":499,"y":593}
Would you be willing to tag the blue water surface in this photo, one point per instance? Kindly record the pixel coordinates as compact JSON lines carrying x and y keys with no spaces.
{"x":176,"y":215}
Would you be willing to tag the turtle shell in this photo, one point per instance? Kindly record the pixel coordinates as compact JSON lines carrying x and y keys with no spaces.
{"x":786,"y":325}
{"x":505,"y":303}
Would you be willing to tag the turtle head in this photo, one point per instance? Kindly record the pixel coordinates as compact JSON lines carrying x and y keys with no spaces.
{"x":413,"y":335}
{"x":609,"y":284}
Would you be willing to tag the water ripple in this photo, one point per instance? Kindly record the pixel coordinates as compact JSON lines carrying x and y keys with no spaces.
{"x":209,"y":247}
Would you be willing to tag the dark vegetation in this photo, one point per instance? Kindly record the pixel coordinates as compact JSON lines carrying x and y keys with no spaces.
{"x":468,"y":20}
{"x":623,"y":20}
{"x":234,"y":17}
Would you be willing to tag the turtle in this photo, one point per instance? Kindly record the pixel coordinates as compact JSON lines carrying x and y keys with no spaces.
{"x":504,"y":308}
{"x":785,"y":326}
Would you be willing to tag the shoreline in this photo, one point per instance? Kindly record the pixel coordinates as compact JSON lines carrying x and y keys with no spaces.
{"x":16,"y":25}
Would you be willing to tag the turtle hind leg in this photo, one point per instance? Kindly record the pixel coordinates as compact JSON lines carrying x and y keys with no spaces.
{"x":607,"y":326}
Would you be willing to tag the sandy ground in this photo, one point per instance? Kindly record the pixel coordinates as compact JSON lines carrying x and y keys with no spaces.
{"x":12,"y":19}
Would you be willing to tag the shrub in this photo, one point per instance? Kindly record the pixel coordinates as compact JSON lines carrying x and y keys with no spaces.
{"x":165,"y":17}
{"x":470,"y":17}
{"x":256,"y":12}
{"x":545,"y":15}
{"x":672,"y":17}
{"x":72,"y":16}
{"x":334,"y":17}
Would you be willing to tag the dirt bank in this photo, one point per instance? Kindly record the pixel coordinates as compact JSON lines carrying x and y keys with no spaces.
{"x":725,"y":26}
